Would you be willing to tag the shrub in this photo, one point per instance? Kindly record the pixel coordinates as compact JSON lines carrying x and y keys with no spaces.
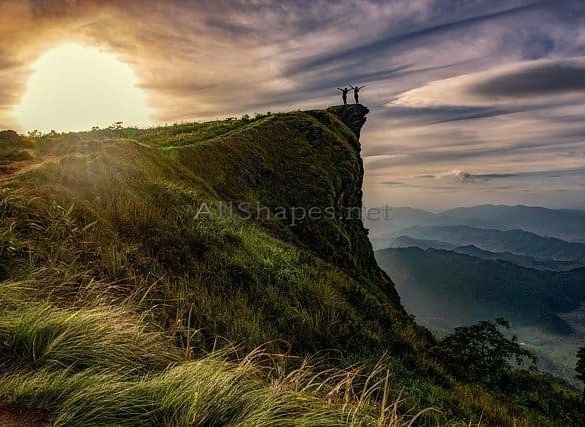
{"x":482,"y":353}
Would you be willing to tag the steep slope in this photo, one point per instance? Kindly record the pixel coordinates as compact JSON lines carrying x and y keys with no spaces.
{"x":164,"y":210}
{"x":127,"y":255}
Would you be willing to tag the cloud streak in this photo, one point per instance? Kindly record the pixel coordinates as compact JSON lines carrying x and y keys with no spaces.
{"x":538,"y":79}
{"x":481,"y":86}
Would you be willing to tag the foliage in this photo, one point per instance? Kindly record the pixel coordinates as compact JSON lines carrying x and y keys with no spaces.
{"x":103,"y":367}
{"x":473,"y":287}
{"x":580,"y":368}
{"x":482,"y":352}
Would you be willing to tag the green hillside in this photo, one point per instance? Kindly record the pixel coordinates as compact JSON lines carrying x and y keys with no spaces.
{"x":129,"y":295}
{"x":474,"y":288}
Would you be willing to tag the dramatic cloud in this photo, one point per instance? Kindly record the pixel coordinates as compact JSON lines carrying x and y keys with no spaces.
{"x":467,"y":177}
{"x":485,"y":86}
{"x":543,"y":78}
{"x":523,"y":85}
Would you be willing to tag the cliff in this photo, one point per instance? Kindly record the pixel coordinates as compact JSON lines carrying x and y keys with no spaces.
{"x":263,"y":213}
{"x":129,"y":256}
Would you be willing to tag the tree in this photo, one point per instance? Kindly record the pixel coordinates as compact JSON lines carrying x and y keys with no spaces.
{"x":116,"y":126}
{"x":580,"y":368}
{"x":482,"y":352}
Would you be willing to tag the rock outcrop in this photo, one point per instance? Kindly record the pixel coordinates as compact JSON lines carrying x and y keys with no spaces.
{"x":353,"y":115}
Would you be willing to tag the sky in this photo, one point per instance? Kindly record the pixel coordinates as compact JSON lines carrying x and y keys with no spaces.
{"x":472,"y":101}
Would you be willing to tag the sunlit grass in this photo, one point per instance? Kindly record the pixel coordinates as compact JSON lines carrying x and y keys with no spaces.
{"x":118,"y":306}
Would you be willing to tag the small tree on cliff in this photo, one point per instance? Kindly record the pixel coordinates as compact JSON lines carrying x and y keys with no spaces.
{"x":580,"y":368}
{"x":482,"y":352}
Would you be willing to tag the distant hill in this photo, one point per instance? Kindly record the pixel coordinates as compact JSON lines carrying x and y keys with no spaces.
{"x":401,"y":217}
{"x":521,"y":260}
{"x":517,"y":242}
{"x":445,"y":289}
{"x":566,"y":224}
{"x":462,"y":289}
{"x":408,"y":242}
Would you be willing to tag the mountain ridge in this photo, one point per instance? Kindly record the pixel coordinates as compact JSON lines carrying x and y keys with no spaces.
{"x":517,"y":241}
{"x":117,"y":291}
{"x":565,"y":224}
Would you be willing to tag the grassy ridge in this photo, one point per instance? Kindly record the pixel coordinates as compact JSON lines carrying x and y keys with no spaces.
{"x":115,"y":297}
{"x":123,"y":212}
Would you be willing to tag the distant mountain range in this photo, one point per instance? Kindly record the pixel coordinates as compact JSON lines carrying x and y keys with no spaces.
{"x":521,"y":260}
{"x":517,"y":242}
{"x":526,"y":264}
{"x":565,"y":224}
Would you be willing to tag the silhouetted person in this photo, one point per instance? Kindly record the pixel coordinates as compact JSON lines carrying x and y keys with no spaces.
{"x":344,"y":92}
{"x":356,"y":90}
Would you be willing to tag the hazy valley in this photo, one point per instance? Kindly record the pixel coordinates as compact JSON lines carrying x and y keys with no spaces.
{"x":495,"y":268}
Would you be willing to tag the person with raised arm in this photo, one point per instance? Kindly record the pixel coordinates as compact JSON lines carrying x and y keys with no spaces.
{"x":356,"y":90}
{"x":344,"y":92}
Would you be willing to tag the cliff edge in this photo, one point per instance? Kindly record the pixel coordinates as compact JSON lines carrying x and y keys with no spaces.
{"x":255,"y":223}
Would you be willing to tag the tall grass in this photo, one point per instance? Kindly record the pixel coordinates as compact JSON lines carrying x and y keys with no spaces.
{"x":104,"y":367}
{"x":108,"y":338}
{"x":114,"y":299}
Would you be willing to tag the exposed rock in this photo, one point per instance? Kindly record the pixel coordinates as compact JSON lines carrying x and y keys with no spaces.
{"x":354,"y":116}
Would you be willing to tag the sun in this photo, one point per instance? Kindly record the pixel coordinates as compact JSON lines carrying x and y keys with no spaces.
{"x":75,"y":87}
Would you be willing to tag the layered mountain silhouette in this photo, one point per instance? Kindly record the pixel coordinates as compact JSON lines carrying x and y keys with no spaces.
{"x":564,"y":224}
{"x":517,"y":242}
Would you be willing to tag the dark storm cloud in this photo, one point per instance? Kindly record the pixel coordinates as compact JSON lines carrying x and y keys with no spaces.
{"x":540,"y":79}
{"x":378,"y":46}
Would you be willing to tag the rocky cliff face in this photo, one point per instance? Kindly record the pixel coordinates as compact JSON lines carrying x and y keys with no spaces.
{"x":353,"y":116}
{"x":310,"y":161}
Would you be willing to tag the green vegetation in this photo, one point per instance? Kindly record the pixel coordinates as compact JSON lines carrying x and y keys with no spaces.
{"x":119,"y":305}
{"x":580,"y":368}
{"x":103,"y":367}
{"x":482,"y":353}
{"x":475,"y":288}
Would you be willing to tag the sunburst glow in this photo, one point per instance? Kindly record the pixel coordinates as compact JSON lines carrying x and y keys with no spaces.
{"x":74,"y":87}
